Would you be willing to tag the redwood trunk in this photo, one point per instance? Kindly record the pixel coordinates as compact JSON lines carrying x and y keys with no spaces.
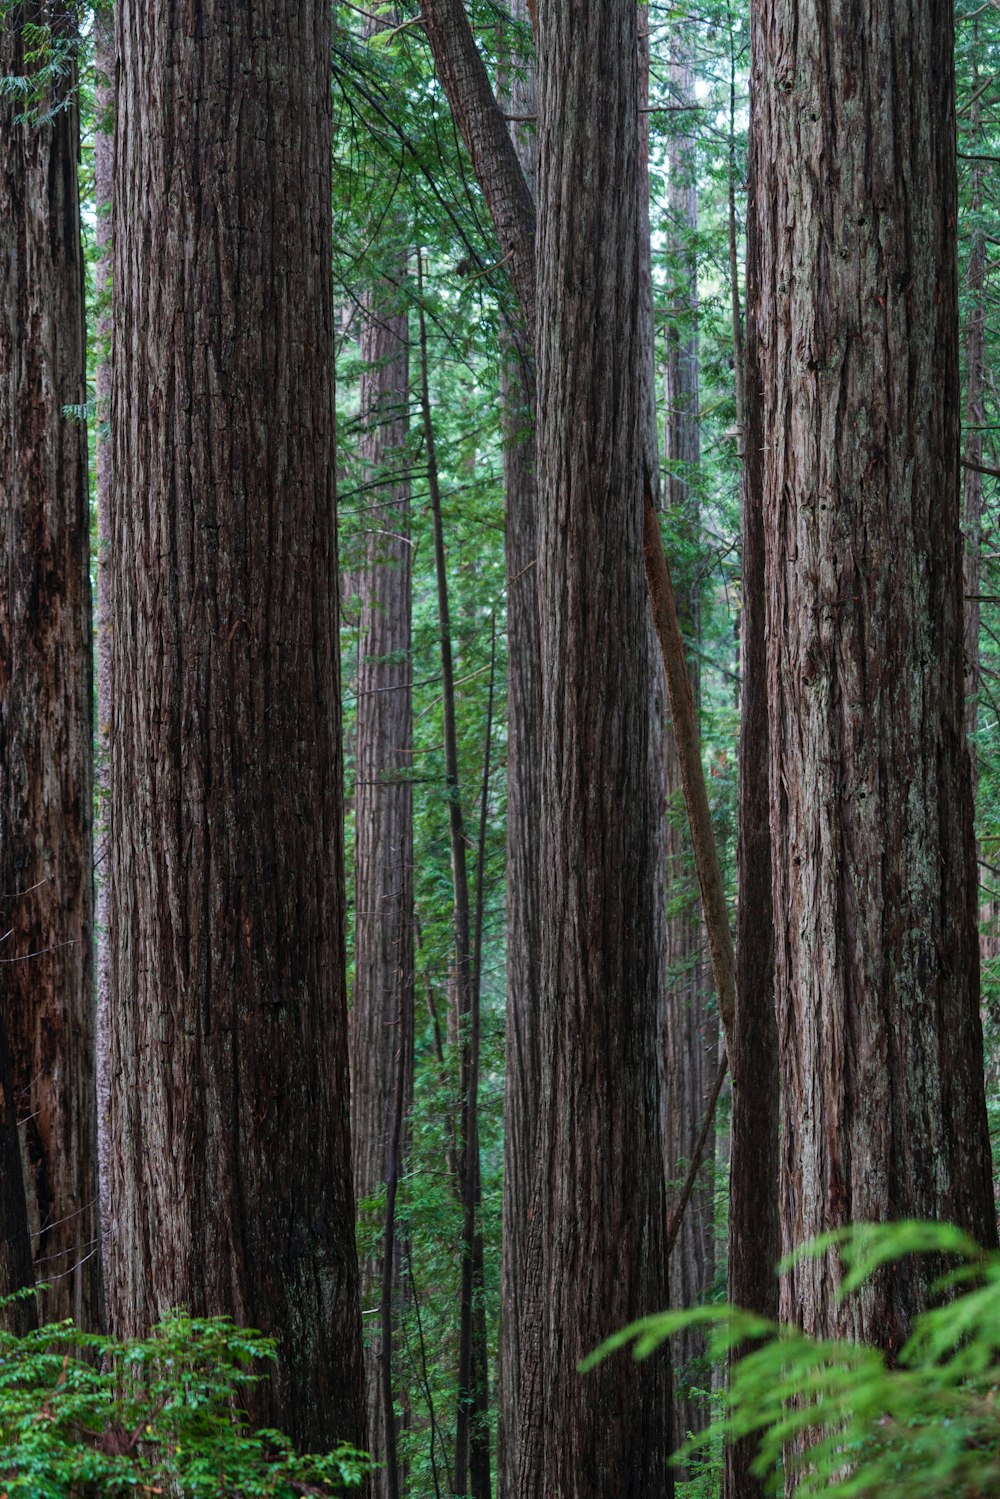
{"x":382,"y":1011}
{"x":46,"y":862}
{"x":754,"y":1228}
{"x":594,"y":1237}
{"x":104,"y":151}
{"x":853,"y":287}
{"x":230,"y":1154}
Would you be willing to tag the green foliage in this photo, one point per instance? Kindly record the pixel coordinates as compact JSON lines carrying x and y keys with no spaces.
{"x":836,"y":1414}
{"x":83,"y":1416}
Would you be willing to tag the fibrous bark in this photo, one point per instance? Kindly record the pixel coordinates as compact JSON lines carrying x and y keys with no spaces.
{"x":381,"y":1022}
{"x":484,"y":133}
{"x":46,"y":864}
{"x":754,"y":1230}
{"x":853,"y":289}
{"x":594,"y":1237}
{"x":17,"y":1271}
{"x":104,"y":63}
{"x":230,"y":1155}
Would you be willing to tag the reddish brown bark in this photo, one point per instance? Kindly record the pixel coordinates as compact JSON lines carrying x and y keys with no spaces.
{"x":853,"y":291}
{"x":754,"y":1229}
{"x":594,"y":1234}
{"x":381,"y":1021}
{"x":230,"y":1154}
{"x":46,"y":865}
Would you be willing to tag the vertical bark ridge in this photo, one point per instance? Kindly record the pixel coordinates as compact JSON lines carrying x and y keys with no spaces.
{"x":230,"y":1153}
{"x":381,"y":1029}
{"x":596,"y":1225}
{"x":46,"y":860}
{"x":874,"y":885}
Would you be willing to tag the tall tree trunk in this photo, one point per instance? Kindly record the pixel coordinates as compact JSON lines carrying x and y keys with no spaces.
{"x":467,"y":1008}
{"x":382,"y":1013}
{"x":691,"y":1038}
{"x":230,"y":1151}
{"x":754,"y":1227}
{"x":972,"y":477}
{"x":524,"y":820}
{"x":46,"y":862}
{"x":104,"y":151}
{"x":594,"y":1239}
{"x":854,"y":292}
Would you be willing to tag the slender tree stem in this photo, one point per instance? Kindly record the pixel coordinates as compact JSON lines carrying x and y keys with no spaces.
{"x":460,"y":880}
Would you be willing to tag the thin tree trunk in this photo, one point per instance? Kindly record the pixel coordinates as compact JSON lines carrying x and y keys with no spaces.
{"x":381,"y":1018}
{"x":230,"y":1150}
{"x":484,"y":132}
{"x":691,"y":1039}
{"x":519,"y":1316}
{"x":853,"y":289}
{"x":46,"y":859}
{"x":754,"y":1229}
{"x":479,"y":1438}
{"x":467,"y":1008}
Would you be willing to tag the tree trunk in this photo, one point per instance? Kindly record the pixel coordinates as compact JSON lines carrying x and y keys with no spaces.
{"x":231,"y":1163}
{"x":594,"y":1237}
{"x":691,"y":1040}
{"x":754,"y":1229}
{"x":46,"y":861}
{"x":17,"y":1271}
{"x":524,"y":821}
{"x":466,"y":1008}
{"x":104,"y":152}
{"x":484,"y":133}
{"x":972,"y":477}
{"x":853,"y":288}
{"x":382,"y":1012}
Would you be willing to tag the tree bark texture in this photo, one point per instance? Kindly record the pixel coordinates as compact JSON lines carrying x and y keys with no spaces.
{"x":381,"y":1022}
{"x":104,"y":151}
{"x":754,"y":1225}
{"x":46,"y":861}
{"x":691,"y":1030}
{"x":594,"y":1237}
{"x":972,"y":477}
{"x":17,"y":1271}
{"x":230,"y":1153}
{"x":491,"y":150}
{"x":853,"y":288}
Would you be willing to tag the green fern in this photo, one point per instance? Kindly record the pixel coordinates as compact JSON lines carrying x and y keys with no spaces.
{"x":835,"y":1414}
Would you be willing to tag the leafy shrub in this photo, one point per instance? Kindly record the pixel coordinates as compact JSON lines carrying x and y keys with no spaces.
{"x":82,"y":1415}
{"x":847,"y":1423}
